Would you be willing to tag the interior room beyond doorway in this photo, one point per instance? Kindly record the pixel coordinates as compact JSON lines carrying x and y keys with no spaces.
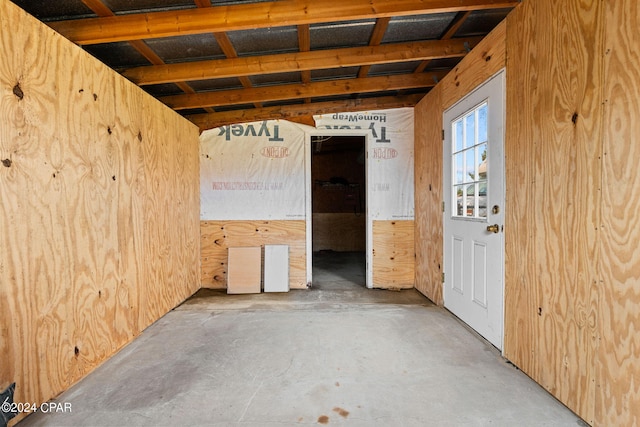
{"x":338,"y":211}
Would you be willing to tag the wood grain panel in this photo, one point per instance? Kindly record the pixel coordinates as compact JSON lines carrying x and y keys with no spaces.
{"x":476,"y":67}
{"x":128,"y":130}
{"x":77,"y":226}
{"x":393,"y":254}
{"x":90,"y":175}
{"x":36,"y":278}
{"x":342,"y":232}
{"x":520,"y":298}
{"x":428,"y":195}
{"x":217,"y":236}
{"x":554,"y":127}
{"x":171,"y":210}
{"x":618,"y":363}
{"x":486,"y":59}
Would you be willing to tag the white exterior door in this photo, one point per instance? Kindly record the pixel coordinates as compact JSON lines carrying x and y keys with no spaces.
{"x":474,"y":209}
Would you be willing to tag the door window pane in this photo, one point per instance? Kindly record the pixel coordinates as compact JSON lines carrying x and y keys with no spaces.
{"x":469,"y":162}
{"x":482,"y":123}
{"x":458,"y":161}
{"x":470,"y":132}
{"x":459,"y":197}
{"x":471,"y":201}
{"x":458,"y":136}
{"x":470,"y":169}
{"x":481,"y":161}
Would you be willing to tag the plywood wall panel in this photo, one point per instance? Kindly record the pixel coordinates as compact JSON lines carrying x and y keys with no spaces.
{"x":217,"y":236}
{"x":428,"y":195}
{"x":485,"y":60}
{"x":127,"y":130}
{"x":520,"y":297}
{"x":393,"y":255}
{"x":74,"y":238}
{"x":558,"y":215}
{"x":89,"y":193}
{"x":157,"y":173}
{"x":480,"y":64}
{"x":170,"y":212}
{"x":618,"y":362}
{"x":342,"y":232}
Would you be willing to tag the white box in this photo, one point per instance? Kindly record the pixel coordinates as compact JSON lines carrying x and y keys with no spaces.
{"x":276,"y":268}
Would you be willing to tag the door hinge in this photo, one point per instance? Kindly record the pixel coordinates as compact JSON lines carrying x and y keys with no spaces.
{"x":442,"y":206}
{"x":442,"y":277}
{"x":443,"y":134}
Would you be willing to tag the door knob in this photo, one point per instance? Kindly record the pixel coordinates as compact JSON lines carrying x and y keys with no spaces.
{"x":495,"y":228}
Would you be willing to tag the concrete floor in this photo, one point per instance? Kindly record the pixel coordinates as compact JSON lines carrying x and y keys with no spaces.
{"x":338,"y":354}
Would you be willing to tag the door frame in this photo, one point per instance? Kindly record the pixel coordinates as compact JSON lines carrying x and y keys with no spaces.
{"x":501,"y":78}
{"x":309,"y":192}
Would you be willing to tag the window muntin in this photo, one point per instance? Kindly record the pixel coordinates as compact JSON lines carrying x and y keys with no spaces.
{"x":469,"y":163}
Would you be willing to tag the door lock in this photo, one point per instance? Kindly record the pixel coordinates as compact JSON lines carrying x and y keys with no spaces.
{"x":495,"y":228}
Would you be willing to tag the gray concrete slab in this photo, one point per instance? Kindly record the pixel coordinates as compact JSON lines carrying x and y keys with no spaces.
{"x":337,"y":354}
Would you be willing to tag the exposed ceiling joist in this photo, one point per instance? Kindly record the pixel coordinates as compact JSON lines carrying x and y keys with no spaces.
{"x":300,"y":61}
{"x":139,"y":26}
{"x":448,"y":34}
{"x":221,"y":62}
{"x":382,"y":24}
{"x":100,"y":9}
{"x":298,"y":91}
{"x":294,"y":112}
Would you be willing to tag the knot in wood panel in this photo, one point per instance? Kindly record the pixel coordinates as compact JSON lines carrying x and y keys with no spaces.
{"x":17,"y":91}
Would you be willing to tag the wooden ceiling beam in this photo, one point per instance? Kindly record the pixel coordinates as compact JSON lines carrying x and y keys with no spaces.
{"x":300,"y":61}
{"x":292,"y":112}
{"x":451,"y":30}
{"x":230,"y":52}
{"x":376,"y":38}
{"x":100,"y":9}
{"x":300,"y":91}
{"x":304,"y":45}
{"x":139,"y":26}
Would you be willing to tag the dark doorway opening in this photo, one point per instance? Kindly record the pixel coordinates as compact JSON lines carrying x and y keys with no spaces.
{"x":338,"y":196}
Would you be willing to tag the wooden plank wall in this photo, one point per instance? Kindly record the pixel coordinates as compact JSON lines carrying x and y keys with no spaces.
{"x":571,"y":274}
{"x":341,"y":232}
{"x":428,"y":195}
{"x":618,"y":359}
{"x":554,"y":174}
{"x":393,"y":254}
{"x":217,"y":236}
{"x":99,"y":231}
{"x":481,"y":63}
{"x":572,"y":270}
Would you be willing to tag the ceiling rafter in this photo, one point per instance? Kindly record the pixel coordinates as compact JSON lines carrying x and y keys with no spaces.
{"x":301,"y":91}
{"x":451,"y":30}
{"x":376,"y":38}
{"x":230,"y":52}
{"x":293,"y":112}
{"x":300,"y":61}
{"x":304,"y":45}
{"x":225,"y":44}
{"x":139,"y":26}
{"x":100,"y":9}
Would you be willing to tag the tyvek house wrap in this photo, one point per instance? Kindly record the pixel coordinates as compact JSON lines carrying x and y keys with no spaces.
{"x":256,"y":171}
